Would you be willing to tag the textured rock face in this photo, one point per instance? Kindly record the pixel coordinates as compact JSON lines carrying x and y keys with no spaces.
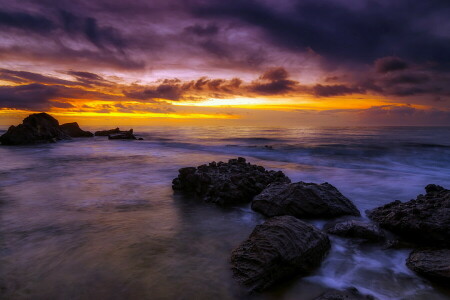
{"x":349,"y":294}
{"x":303,"y":200}
{"x":356,"y":229}
{"x":226,"y":183}
{"x":74,"y":130}
{"x":107,"y":132}
{"x":36,"y":128}
{"x":433,"y":264}
{"x":425,"y":220}
{"x":281,"y":247}
{"x":122,"y":135}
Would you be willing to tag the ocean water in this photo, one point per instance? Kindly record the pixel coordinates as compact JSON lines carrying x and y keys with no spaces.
{"x":97,"y":219}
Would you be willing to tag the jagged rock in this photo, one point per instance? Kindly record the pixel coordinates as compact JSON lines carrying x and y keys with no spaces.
{"x":356,"y":229}
{"x":36,"y":128}
{"x":348,"y":294}
{"x":107,"y":132}
{"x":122,"y":135}
{"x":279,"y":248}
{"x":74,"y":130}
{"x":432,"y":264}
{"x":303,"y":200}
{"x":226,"y":183}
{"x":425,"y":220}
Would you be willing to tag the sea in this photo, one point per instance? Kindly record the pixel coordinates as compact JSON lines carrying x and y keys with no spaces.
{"x":93,"y":218}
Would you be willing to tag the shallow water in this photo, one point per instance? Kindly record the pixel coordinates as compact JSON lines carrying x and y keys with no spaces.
{"x":97,"y":219}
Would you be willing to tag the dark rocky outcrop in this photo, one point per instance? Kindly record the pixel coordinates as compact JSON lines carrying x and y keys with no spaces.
{"x":425,"y":220}
{"x":107,"y":132}
{"x":226,"y":183}
{"x":303,"y":200}
{"x":122,"y":135}
{"x":348,"y":294}
{"x":36,"y":128}
{"x":74,"y":130}
{"x":281,"y":247}
{"x":432,"y":264}
{"x":356,"y":229}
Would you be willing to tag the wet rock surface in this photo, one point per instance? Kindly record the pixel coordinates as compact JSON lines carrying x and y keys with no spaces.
{"x":36,"y":128}
{"x":357,"y":229}
{"x":74,"y":130}
{"x":226,"y":183}
{"x":348,"y":294}
{"x":280,"y":247}
{"x":425,"y":220}
{"x":432,"y":264}
{"x":303,"y":200}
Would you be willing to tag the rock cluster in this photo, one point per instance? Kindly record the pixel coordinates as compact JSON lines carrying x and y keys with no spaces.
{"x":226,"y":183}
{"x":281,"y":247}
{"x":303,"y":200}
{"x":74,"y":130}
{"x":36,"y":128}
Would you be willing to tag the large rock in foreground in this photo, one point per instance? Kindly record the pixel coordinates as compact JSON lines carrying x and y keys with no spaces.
{"x":226,"y":183}
{"x":348,"y":294}
{"x":36,"y":128}
{"x":279,"y":248}
{"x":303,"y":200}
{"x":74,"y":130}
{"x":432,"y":264}
{"x":425,"y":220}
{"x":357,"y":229}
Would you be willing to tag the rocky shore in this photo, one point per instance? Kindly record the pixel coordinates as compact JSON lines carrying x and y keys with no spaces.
{"x":285,"y":246}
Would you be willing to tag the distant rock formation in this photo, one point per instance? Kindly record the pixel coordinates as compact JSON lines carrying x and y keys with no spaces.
{"x":74,"y":130}
{"x":36,"y":128}
{"x":280,"y":247}
{"x":226,"y":183}
{"x":107,"y":132}
{"x":425,"y":220}
{"x":303,"y":200}
{"x":122,"y":135}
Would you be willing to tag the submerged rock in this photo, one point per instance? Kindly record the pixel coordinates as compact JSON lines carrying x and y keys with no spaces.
{"x":226,"y":183}
{"x":356,"y":229}
{"x":74,"y":130}
{"x":122,"y":135}
{"x":280,"y":247}
{"x":36,"y":128}
{"x":107,"y":132}
{"x":425,"y":220}
{"x":348,"y":294}
{"x":432,"y":264}
{"x":303,"y":200}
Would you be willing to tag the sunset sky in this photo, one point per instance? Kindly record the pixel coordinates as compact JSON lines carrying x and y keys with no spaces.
{"x":266,"y":62}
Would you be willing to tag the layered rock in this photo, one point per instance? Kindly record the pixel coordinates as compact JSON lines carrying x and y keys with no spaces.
{"x":226,"y":183}
{"x":303,"y":200}
{"x":36,"y":128}
{"x":74,"y":130}
{"x":279,"y":248}
{"x":348,"y":294}
{"x":432,"y":264}
{"x":425,"y":220}
{"x":357,"y":229}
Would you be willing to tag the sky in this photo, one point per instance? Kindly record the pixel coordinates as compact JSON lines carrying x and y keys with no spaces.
{"x":266,"y":62}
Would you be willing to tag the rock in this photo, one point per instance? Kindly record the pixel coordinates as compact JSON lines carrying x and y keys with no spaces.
{"x":303,"y":200}
{"x":226,"y":183}
{"x":122,"y":135}
{"x":356,"y":229}
{"x":425,"y":220}
{"x":36,"y":128}
{"x":432,"y":264}
{"x":107,"y":132}
{"x":348,"y":294}
{"x":74,"y":130}
{"x":279,"y":248}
